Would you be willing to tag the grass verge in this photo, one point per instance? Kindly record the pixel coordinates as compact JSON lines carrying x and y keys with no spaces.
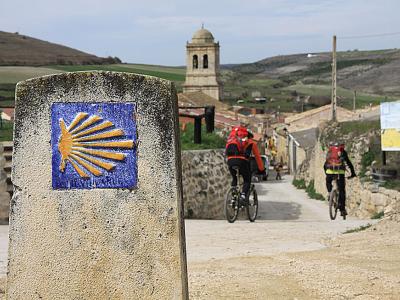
{"x":299,"y":183}
{"x":358,"y":229}
{"x":310,"y":189}
{"x":312,"y":193}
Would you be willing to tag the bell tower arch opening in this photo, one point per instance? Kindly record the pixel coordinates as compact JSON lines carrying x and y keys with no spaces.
{"x":195,"y":62}
{"x":205,"y":61}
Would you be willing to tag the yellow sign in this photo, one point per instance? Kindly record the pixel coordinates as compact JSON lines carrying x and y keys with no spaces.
{"x":390,"y":126}
{"x":390,"y":139}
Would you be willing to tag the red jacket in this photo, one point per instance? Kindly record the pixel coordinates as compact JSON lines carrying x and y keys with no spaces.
{"x":250,"y":147}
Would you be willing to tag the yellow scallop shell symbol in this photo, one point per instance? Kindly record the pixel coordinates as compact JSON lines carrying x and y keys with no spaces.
{"x":84,"y":141}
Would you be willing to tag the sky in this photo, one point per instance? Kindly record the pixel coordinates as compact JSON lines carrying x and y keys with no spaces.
{"x":156,"y":31}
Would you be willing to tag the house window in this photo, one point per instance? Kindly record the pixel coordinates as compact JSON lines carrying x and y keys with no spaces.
{"x":205,"y":61}
{"x":195,"y":62}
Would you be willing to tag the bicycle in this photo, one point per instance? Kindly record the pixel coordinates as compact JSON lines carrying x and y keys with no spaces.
{"x":233,"y":205}
{"x":334,"y":198}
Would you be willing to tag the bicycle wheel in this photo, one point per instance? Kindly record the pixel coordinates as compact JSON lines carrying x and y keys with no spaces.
{"x":231,"y":206}
{"x":252,"y":206}
{"x":333,"y":204}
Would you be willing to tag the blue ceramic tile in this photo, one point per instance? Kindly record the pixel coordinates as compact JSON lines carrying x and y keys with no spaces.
{"x":93,"y":145}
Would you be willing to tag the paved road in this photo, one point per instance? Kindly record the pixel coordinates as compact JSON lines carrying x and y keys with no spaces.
{"x":288,"y":222}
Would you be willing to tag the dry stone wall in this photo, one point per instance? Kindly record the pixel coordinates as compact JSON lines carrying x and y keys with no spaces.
{"x":205,"y":181}
{"x":363,"y":198}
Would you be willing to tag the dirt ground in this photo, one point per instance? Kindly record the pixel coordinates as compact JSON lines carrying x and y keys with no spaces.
{"x":360,"y":265}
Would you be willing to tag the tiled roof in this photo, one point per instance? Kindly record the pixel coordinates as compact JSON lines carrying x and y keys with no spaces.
{"x":342,"y":112}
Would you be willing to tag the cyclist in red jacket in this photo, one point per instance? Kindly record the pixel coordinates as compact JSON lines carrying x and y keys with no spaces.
{"x":239,"y":148}
{"x":335,"y":165}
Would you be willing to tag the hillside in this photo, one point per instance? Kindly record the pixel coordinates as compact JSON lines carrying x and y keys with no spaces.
{"x":21,"y":50}
{"x":290,"y":83}
{"x":375,"y":72}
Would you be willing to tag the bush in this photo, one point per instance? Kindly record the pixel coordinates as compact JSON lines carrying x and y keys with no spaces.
{"x":392,"y":184}
{"x":208,"y":140}
{"x":6,"y":131}
{"x":366,"y":161}
{"x":378,"y":215}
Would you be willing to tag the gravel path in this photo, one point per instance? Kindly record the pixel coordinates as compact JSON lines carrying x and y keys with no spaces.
{"x":288,"y":222}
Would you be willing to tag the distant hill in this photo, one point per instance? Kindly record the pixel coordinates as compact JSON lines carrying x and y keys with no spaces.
{"x":376,"y":72}
{"x":21,"y":50}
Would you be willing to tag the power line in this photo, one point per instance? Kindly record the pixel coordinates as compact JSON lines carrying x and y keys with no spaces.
{"x":368,"y":36}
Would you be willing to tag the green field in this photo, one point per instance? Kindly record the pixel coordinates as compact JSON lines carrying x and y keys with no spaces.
{"x":12,"y":75}
{"x":169,"y":73}
{"x":9,"y":76}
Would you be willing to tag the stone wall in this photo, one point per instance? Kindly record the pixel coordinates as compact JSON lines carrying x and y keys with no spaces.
{"x":4,"y":195}
{"x":206,"y":179}
{"x":363,"y":197}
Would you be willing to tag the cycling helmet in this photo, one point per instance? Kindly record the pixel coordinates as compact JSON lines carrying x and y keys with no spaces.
{"x":335,"y":144}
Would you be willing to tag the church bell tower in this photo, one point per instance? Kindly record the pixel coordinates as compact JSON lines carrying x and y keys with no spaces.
{"x":202,"y":65}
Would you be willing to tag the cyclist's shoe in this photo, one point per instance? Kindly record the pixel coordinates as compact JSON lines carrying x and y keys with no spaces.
{"x":343,"y":212}
{"x":242,"y":200}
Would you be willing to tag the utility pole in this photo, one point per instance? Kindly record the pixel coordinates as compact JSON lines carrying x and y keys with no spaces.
{"x":334,"y":80}
{"x":354,"y":100}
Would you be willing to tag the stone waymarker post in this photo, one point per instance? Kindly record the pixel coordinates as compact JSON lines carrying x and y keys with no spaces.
{"x":97,"y":208}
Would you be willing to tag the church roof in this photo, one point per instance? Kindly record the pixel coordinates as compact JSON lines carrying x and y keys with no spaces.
{"x":202,"y":36}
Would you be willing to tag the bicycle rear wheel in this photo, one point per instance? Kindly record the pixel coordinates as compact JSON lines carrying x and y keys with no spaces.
{"x":252,"y":207}
{"x":333,"y":204}
{"x":231,"y":205}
